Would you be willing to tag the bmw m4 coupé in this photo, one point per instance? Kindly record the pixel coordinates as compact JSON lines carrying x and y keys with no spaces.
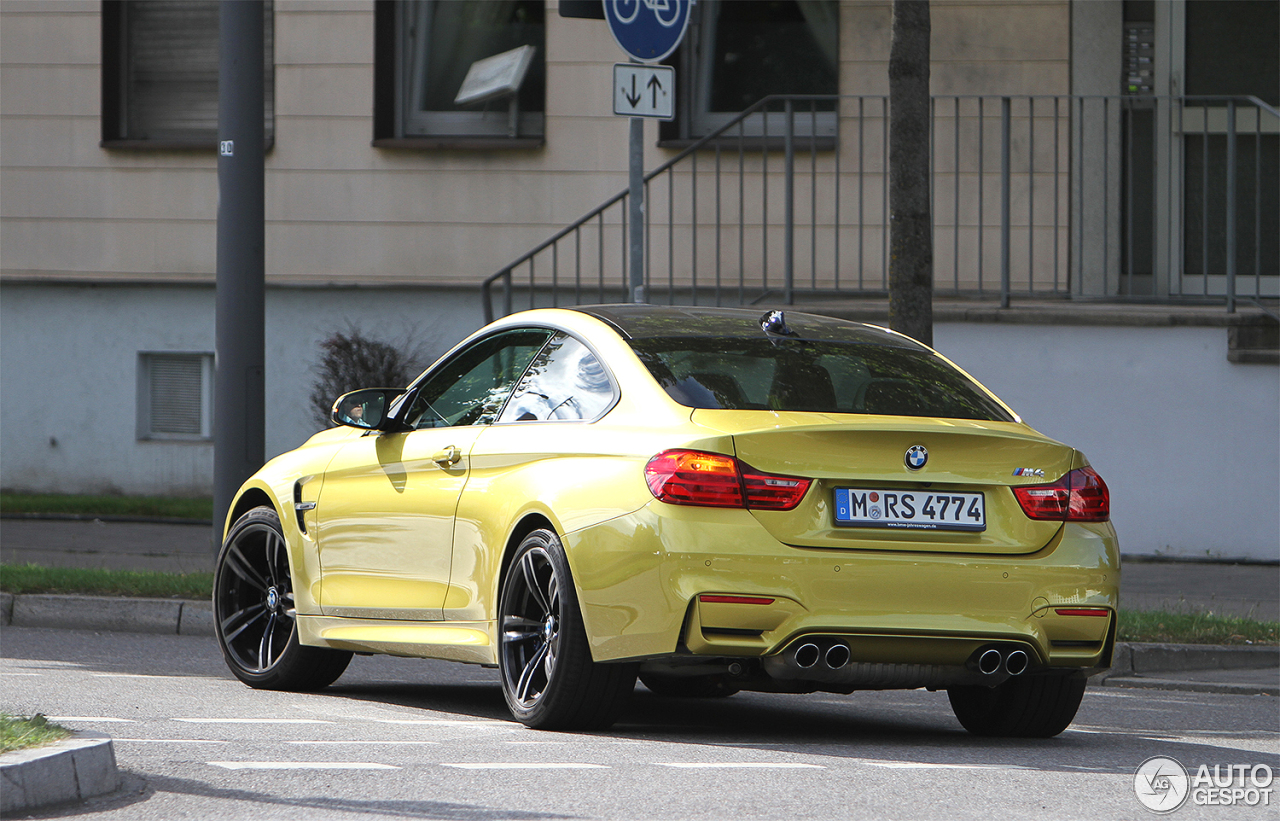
{"x":710,"y":500}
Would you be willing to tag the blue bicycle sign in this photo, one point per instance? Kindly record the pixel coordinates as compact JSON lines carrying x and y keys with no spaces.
{"x":648,"y":30}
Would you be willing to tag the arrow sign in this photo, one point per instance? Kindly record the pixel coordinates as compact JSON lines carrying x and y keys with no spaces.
{"x":644,"y":91}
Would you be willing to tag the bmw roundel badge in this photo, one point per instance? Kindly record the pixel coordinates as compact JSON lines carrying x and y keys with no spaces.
{"x":916,"y":457}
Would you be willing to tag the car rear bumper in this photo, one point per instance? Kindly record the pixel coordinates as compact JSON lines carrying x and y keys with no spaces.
{"x":654,"y":584}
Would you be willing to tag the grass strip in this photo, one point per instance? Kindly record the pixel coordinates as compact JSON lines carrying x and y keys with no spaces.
{"x":18,"y":733}
{"x":158,"y":506}
{"x":1195,"y":628}
{"x":31,"y":578}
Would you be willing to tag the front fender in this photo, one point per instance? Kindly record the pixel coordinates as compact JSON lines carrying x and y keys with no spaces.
{"x":274,"y":484}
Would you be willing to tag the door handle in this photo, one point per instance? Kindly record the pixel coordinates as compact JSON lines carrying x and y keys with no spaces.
{"x":448,"y":457}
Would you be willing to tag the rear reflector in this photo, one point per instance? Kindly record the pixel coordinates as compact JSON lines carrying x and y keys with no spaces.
{"x":1081,"y":611}
{"x":713,"y":599}
{"x":1080,"y":496}
{"x":691,"y":477}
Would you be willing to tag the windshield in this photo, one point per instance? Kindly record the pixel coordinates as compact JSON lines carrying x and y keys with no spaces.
{"x":806,"y":375}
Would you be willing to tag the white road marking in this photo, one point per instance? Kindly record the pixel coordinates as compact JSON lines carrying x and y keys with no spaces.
{"x":253,"y":721}
{"x":923,"y":765}
{"x":366,"y":742}
{"x":540,"y":766}
{"x":32,"y":675}
{"x":741,"y":765}
{"x":170,"y":741}
{"x":301,"y":765}
{"x":103,"y":719}
{"x":445,"y":721}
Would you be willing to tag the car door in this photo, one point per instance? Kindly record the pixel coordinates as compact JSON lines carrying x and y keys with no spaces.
{"x":541,"y":445}
{"x":386,"y":511}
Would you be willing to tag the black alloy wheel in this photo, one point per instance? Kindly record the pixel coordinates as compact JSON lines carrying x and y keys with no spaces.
{"x":548,"y":676}
{"x":255,"y":615}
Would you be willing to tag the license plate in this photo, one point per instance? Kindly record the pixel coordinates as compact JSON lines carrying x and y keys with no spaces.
{"x":910,"y":509}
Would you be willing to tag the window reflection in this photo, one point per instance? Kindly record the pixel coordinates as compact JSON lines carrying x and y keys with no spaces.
{"x":813,"y":375}
{"x":470,"y":389}
{"x":565,"y":382}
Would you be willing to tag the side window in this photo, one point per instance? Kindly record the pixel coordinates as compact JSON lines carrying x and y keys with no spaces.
{"x":565,"y":382}
{"x":471,"y":388}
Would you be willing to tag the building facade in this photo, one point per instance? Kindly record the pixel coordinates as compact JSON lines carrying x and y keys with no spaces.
{"x":1109,"y":169}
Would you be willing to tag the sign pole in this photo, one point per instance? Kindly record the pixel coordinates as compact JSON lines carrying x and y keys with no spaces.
{"x":648,"y":32}
{"x":636,"y":212}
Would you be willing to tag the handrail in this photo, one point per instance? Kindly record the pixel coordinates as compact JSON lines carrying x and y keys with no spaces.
{"x":649,"y":177}
{"x":1081,"y":230}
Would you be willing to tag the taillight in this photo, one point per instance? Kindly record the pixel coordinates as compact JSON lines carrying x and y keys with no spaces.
{"x":1080,"y":496}
{"x":690,"y":477}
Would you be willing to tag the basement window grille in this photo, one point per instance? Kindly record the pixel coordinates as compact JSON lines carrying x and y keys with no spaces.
{"x":175,"y":396}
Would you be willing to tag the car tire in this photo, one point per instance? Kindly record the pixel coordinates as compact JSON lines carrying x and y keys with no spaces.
{"x":1023,"y":707}
{"x":713,"y":686}
{"x":255,"y":617}
{"x":548,"y":676}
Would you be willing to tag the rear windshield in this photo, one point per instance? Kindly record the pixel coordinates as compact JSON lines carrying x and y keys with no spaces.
{"x":805,"y":375}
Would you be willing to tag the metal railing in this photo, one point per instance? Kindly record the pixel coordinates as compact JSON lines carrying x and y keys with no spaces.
{"x":1060,"y":197}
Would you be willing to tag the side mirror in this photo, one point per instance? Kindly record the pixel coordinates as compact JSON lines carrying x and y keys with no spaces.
{"x":365,"y":409}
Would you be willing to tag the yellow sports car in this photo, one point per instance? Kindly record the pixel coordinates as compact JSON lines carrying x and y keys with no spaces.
{"x":709,"y":499}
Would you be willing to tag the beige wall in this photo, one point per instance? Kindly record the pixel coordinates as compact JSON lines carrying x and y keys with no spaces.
{"x":339,"y":209}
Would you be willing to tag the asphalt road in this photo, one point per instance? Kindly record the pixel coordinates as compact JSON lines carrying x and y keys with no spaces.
{"x":402,"y":738}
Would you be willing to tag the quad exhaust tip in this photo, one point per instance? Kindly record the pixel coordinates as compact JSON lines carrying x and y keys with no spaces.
{"x":989,"y":662}
{"x":993,"y":660}
{"x":833,"y":657}
{"x":807,"y":655}
{"x":837,"y":656}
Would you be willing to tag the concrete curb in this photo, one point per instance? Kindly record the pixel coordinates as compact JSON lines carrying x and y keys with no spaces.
{"x":1228,"y":688}
{"x":1134,"y":658}
{"x":71,"y":770}
{"x":126,"y":615}
{"x":1154,"y":666}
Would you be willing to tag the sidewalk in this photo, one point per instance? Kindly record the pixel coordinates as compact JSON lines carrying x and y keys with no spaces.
{"x":132,"y":545}
{"x":1251,"y":590}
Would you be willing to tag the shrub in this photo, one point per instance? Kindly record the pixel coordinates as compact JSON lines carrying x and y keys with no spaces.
{"x":350,"y":361}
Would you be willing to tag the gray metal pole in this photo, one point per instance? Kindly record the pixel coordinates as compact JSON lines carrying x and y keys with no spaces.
{"x":239,"y":395}
{"x":635,"y":208}
{"x":1004,"y":201}
{"x":789,"y":207}
{"x":1231,"y":208}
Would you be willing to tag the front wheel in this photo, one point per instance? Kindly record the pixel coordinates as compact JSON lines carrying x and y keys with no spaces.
{"x":1022,"y":707}
{"x":548,"y":676}
{"x":254,"y":613}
